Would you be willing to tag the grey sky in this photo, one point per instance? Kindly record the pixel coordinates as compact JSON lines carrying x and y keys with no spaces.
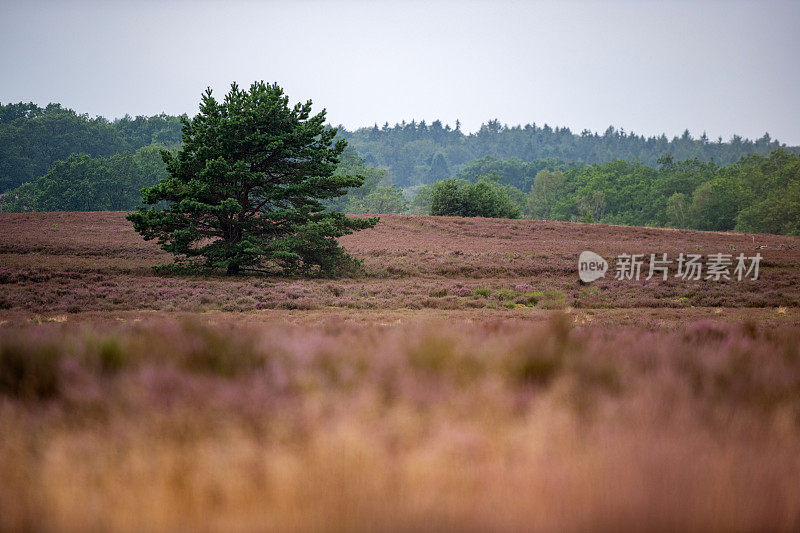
{"x":647,"y":67}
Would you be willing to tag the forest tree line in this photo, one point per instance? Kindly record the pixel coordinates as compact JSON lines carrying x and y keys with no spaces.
{"x":417,"y":153}
{"x":756,"y":194}
{"x":33,"y":138}
{"x":55,"y":159}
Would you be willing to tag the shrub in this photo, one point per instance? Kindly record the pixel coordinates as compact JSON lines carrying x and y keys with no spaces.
{"x":505,"y":294}
{"x":485,"y":198}
{"x":533,"y":297}
{"x":482,"y":291}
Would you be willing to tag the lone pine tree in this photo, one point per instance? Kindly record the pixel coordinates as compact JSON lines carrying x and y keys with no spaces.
{"x":245,"y":189}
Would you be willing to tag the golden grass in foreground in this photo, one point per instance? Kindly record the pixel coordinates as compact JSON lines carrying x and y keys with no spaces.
{"x":167,"y":425}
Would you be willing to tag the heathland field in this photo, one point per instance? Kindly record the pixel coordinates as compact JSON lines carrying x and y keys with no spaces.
{"x":466,"y":380}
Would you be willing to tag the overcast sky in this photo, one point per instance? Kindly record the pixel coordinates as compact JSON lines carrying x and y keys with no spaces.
{"x":648,"y":67}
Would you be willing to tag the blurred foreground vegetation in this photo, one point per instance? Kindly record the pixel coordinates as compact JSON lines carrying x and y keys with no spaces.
{"x":166,"y":424}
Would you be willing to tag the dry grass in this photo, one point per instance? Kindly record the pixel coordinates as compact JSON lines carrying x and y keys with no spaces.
{"x":219,"y":425}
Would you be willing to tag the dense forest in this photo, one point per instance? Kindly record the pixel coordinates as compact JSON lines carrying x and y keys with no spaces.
{"x":417,"y":153}
{"x":32,"y":138}
{"x":86,"y":183}
{"x":52,"y":158}
{"x":756,"y":194}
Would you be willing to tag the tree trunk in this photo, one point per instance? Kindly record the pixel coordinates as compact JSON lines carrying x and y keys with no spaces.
{"x":233,"y":269}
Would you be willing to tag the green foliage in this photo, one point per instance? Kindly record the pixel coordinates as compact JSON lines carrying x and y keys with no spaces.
{"x":33,"y":138}
{"x":771,"y":193}
{"x":84,"y":183}
{"x":716,"y":203}
{"x":677,"y":211}
{"x":246,"y":190}
{"x":439,"y":168}
{"x":515,"y":172}
{"x":485,"y":198}
{"x":383,"y":200}
{"x":421,"y":203}
{"x":777,"y":213}
{"x":375,"y":195}
{"x":755,"y":194}
{"x":410,"y":150}
{"x":548,"y":188}
{"x":52,"y":158}
{"x":446,"y":197}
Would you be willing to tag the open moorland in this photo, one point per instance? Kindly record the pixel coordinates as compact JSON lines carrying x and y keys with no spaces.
{"x":466,"y":380}
{"x":55,"y":263}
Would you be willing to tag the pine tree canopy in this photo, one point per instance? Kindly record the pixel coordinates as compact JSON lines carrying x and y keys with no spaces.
{"x":245,"y":191}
